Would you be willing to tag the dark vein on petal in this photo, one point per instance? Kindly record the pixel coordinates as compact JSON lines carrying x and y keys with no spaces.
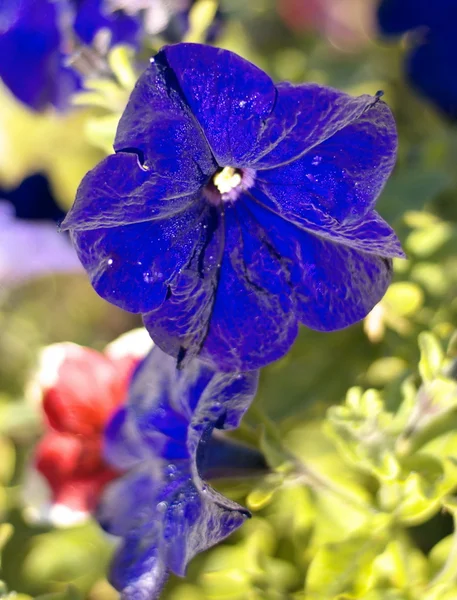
{"x":162,"y":61}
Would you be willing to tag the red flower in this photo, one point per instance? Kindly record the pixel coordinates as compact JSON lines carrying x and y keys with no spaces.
{"x":80,"y":390}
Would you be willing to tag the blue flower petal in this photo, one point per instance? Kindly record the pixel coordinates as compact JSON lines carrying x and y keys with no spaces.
{"x":138,"y":570}
{"x":113,"y":194}
{"x":134,"y":266}
{"x":139,"y":487}
{"x":371,"y":234}
{"x":158,"y":125}
{"x":122,"y":441}
{"x":188,"y":392}
{"x":342,"y":176}
{"x":252,"y":321}
{"x":332,"y":285}
{"x":245,"y":318}
{"x":179,"y":326}
{"x":306,"y":115}
{"x":162,"y":508}
{"x":245,"y":118}
{"x":229,"y":96}
{"x":10,"y":11}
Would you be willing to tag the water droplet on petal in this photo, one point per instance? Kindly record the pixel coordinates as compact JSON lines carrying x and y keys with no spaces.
{"x":171,"y":471}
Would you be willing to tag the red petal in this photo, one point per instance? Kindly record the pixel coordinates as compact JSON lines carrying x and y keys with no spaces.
{"x":74,"y":469}
{"x":88,"y":388}
{"x":83,"y":494}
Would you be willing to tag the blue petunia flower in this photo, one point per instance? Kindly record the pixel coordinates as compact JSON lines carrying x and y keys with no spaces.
{"x":165,"y":439}
{"x":235,"y":209}
{"x":38,"y":36}
{"x":431,"y":64}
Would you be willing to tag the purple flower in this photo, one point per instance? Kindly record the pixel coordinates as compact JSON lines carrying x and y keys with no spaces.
{"x":38,"y":36}
{"x":235,"y":209}
{"x":164,"y":438}
{"x":431,"y":63}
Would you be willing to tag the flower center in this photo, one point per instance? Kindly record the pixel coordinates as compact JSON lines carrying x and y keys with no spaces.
{"x":227,"y":179}
{"x":227,"y":184}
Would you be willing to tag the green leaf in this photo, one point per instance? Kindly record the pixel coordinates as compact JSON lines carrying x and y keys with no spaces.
{"x":419,"y":494}
{"x":346,"y":567}
{"x":262,"y":494}
{"x":400,"y":566}
{"x":61,"y":557}
{"x":385,"y":370}
{"x":70,"y":593}
{"x":364,"y":433}
{"x":121,"y":60}
{"x":6,"y":531}
{"x":273,"y":449}
{"x":404,"y":298}
{"x":426,"y":242}
{"x":200,"y":18}
{"x":231,"y":570}
{"x":432,"y":356}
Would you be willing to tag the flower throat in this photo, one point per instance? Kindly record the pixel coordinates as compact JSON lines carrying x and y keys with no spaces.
{"x":228,"y":183}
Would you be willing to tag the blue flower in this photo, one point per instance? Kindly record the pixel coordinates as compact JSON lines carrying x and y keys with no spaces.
{"x":431,"y":64}
{"x":30,"y":246}
{"x":93,"y":15}
{"x":33,"y":200}
{"x":38,"y":36}
{"x":164,"y":438}
{"x":235,"y":209}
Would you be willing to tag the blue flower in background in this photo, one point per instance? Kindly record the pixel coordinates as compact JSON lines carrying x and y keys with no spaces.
{"x":165,"y":439}
{"x":32,"y":200}
{"x":30,"y":246}
{"x":91,"y":16}
{"x":235,"y":209}
{"x":431,"y":64}
{"x":38,"y":36}
{"x":32,"y":65}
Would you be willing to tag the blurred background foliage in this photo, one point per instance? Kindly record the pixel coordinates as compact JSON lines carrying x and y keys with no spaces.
{"x":359,"y":426}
